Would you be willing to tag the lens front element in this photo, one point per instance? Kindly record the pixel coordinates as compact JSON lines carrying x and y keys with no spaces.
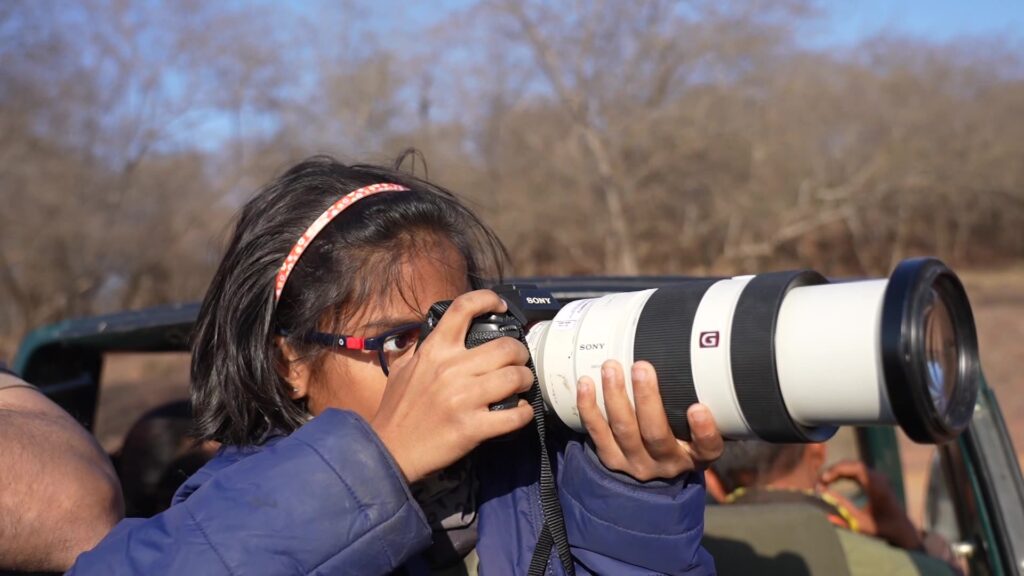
{"x":929,"y":351}
{"x":941,"y":351}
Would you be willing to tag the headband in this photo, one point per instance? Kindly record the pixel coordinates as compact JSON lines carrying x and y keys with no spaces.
{"x":320,"y":223}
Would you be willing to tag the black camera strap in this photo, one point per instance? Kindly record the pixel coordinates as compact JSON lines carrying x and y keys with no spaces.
{"x":553,"y":531}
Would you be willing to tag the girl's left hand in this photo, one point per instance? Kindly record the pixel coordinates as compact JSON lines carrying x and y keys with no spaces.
{"x":639,"y":441}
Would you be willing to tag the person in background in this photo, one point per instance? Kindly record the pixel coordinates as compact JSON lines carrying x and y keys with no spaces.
{"x":878,"y":538}
{"x":159,"y":453}
{"x":59,"y":495}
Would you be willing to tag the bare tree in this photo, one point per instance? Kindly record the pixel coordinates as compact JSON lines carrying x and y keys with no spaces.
{"x":597,"y":137}
{"x":97,"y":166}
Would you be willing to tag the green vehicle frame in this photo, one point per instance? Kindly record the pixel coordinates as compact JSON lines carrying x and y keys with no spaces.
{"x":975,"y":496}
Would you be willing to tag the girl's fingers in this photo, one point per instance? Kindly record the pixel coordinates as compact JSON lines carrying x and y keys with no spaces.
{"x":493,"y":355}
{"x":597,"y":427}
{"x":499,"y":422}
{"x":706,"y":443}
{"x":451,"y":329}
{"x":501,"y":384}
{"x":650,"y":413}
{"x":639,"y":441}
{"x":621,"y":416}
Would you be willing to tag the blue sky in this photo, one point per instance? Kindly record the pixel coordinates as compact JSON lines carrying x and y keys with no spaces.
{"x":843,"y":22}
{"x":847,"y":21}
{"x":840,"y":24}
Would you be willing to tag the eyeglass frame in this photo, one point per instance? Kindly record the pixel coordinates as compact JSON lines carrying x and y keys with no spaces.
{"x":346,"y":342}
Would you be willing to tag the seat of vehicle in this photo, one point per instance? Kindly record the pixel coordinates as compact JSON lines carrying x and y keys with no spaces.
{"x":767,"y":539}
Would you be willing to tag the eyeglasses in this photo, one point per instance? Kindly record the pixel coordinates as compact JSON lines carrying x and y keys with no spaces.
{"x":390,"y":346}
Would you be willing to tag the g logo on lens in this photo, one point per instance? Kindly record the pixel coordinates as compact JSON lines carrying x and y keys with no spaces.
{"x":709,"y":339}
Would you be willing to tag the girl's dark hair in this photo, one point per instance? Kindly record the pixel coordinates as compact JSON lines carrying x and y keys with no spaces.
{"x":238,"y":394}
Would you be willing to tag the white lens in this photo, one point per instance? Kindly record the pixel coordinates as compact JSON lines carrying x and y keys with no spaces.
{"x":827,"y":352}
{"x":581,"y":337}
{"x":785,"y":357}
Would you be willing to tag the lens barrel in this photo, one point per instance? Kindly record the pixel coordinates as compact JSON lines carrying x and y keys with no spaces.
{"x":781,"y":357}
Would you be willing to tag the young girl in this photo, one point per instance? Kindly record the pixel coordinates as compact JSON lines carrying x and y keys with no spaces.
{"x":350,"y":449}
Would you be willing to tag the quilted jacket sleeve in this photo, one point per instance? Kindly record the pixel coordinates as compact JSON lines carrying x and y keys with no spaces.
{"x":615,"y":524}
{"x":327,"y":499}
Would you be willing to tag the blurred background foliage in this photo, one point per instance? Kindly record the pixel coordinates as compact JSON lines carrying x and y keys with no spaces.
{"x":600,"y":137}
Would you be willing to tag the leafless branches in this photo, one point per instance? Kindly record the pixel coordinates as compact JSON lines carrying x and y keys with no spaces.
{"x":597,"y":137}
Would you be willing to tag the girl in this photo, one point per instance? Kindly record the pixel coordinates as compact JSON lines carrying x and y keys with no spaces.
{"x":346,"y":443}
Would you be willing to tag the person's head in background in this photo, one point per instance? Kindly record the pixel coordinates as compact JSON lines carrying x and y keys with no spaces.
{"x":158,"y":454}
{"x":757,"y":464}
{"x":368,"y":275}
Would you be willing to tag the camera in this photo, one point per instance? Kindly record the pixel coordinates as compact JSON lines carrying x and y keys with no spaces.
{"x":780,"y":357}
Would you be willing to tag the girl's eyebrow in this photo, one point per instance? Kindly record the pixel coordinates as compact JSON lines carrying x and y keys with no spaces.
{"x":391,"y":322}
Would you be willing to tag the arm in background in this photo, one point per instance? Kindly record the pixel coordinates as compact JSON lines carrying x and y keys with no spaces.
{"x":59,"y":494}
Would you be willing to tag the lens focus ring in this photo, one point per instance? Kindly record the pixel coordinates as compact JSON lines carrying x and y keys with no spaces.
{"x":753,"y":358}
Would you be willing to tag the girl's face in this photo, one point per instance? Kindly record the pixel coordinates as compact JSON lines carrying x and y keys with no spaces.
{"x":353,"y":379}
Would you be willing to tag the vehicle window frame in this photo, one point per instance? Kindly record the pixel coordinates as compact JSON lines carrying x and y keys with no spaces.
{"x":995,"y":485}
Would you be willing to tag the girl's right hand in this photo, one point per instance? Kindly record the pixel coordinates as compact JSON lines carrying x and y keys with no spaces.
{"x":435,"y":407}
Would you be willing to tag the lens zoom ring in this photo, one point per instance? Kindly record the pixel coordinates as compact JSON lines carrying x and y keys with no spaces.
{"x":752,"y":355}
{"x":663,"y":339}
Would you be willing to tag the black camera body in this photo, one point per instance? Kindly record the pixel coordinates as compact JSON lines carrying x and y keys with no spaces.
{"x":527,"y":304}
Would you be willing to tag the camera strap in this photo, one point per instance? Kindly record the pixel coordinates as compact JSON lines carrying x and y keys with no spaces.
{"x":553,"y":531}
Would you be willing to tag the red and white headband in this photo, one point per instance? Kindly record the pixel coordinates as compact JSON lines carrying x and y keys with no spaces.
{"x":320,"y":223}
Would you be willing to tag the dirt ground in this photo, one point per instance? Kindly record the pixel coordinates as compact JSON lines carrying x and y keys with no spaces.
{"x":133,"y":383}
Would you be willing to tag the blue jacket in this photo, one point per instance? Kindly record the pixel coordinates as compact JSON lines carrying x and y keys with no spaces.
{"x":328,"y":499}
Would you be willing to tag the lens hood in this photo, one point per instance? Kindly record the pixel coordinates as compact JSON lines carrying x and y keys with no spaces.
{"x":913,"y":287}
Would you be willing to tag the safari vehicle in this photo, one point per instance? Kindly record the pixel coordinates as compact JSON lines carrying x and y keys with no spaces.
{"x":975,"y":492}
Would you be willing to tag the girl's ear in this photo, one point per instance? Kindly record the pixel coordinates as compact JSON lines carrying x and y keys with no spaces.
{"x":292,"y":369}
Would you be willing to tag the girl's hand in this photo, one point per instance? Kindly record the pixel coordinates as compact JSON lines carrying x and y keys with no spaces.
{"x":639,"y":441}
{"x":435,"y":407}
